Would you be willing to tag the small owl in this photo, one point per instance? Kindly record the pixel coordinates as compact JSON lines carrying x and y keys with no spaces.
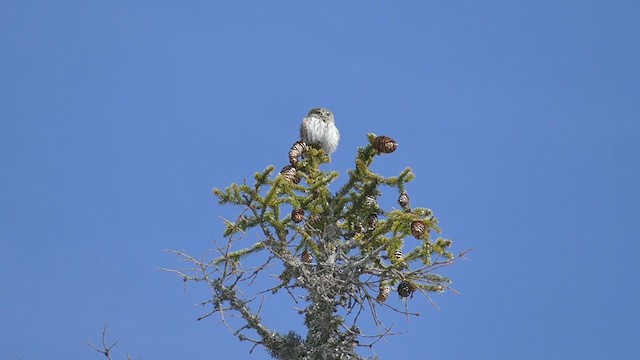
{"x":319,"y":128}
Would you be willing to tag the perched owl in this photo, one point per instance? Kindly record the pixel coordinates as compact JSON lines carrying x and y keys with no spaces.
{"x":319,"y":128}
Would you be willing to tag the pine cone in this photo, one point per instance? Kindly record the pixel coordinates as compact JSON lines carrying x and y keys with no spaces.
{"x":290,"y":173}
{"x":297,"y":149}
{"x":398,"y":255}
{"x":306,"y":257}
{"x":406,"y":289}
{"x":383,"y":292}
{"x":297,"y":215}
{"x":403,"y":200}
{"x":417,"y":228}
{"x":358,"y":228}
{"x":370,"y":201}
{"x":385,"y":144}
{"x":372,"y":221}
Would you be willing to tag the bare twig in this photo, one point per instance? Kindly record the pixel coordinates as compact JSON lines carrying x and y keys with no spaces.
{"x":106,"y":349}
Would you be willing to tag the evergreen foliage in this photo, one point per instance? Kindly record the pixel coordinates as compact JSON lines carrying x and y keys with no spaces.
{"x":338,"y":251}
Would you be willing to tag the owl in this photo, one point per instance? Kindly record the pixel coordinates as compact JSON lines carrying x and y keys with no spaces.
{"x":319,"y":128}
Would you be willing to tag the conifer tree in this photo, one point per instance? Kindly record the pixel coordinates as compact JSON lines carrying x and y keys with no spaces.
{"x":339,"y":255}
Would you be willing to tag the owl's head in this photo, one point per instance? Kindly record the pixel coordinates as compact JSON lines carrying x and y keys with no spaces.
{"x":323,"y":114}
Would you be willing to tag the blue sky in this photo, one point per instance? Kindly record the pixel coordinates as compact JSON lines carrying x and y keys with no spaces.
{"x":521,"y":120}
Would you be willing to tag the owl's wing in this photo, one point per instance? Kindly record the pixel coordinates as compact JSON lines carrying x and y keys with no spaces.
{"x":306,"y":130}
{"x":302,"y":134}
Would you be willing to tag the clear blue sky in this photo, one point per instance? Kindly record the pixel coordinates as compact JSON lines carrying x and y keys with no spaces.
{"x":521,"y":120}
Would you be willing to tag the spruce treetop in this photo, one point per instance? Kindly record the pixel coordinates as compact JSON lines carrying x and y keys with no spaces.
{"x":339,"y":255}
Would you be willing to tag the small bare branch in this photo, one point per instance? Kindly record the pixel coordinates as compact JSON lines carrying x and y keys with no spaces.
{"x":106,"y":349}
